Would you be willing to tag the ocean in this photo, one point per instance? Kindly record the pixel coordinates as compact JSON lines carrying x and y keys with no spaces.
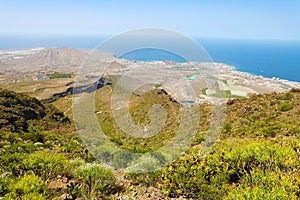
{"x":269,"y":58}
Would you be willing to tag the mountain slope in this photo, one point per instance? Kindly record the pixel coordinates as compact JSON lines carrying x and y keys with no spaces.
{"x":56,"y":57}
{"x":19,"y":111}
{"x":257,"y":156}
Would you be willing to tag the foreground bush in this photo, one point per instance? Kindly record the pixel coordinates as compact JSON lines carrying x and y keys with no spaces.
{"x":28,"y":187}
{"x":250,"y":164}
{"x":46,"y":165}
{"x":95,"y":180}
{"x":267,"y":186}
{"x":4,"y":182}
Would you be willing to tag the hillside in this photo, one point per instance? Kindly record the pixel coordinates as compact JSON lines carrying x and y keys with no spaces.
{"x":266,"y":115}
{"x":54,"y":57}
{"x":19,"y":111}
{"x":37,"y":145}
{"x":256,"y":157}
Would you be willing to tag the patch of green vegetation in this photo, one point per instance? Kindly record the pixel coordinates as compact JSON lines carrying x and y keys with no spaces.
{"x":53,"y":155}
{"x":268,"y":185}
{"x":285,"y":106}
{"x":236,"y":168}
{"x":157,"y":85}
{"x":220,"y":93}
{"x":241,"y":166}
{"x":267,"y":115}
{"x":257,"y":156}
{"x":236,"y":96}
{"x":223,"y":93}
{"x":59,"y":75}
{"x":27,"y":187}
{"x":225,"y":82}
{"x":139,"y":108}
{"x":97,"y":180}
{"x":204,"y":91}
{"x":32,"y":158}
{"x":19,"y":111}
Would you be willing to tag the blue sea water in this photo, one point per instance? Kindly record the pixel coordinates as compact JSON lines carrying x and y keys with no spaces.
{"x":269,"y":58}
{"x":151,"y":54}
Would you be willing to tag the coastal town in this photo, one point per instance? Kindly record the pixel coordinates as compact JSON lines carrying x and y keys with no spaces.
{"x":192,"y":82}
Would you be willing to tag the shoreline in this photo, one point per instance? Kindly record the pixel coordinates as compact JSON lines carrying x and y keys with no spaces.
{"x":232,"y":75}
{"x":174,"y":74}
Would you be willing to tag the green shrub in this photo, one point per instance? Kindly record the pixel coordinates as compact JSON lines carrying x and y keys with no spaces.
{"x":286,"y":96}
{"x":195,"y":177}
{"x":34,"y":134}
{"x":116,"y":141}
{"x":4,"y":182}
{"x":12,"y":155}
{"x":245,"y":155}
{"x":285,"y":106}
{"x":229,"y":163}
{"x":96,"y":180}
{"x":121,"y":159}
{"x":72,"y":148}
{"x":46,"y":165}
{"x":227,"y":127}
{"x":29,"y":187}
{"x":266,"y":185}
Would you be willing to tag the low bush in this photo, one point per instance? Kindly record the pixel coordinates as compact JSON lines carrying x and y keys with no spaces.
{"x":266,"y":185}
{"x":29,"y":187}
{"x":230,"y":163}
{"x":95,"y":180}
{"x":285,"y":106}
{"x":46,"y":165}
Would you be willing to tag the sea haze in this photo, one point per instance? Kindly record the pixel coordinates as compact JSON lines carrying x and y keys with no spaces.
{"x":268,"y":58}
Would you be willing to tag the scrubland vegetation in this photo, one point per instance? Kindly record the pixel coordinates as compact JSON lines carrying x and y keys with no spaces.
{"x":256,"y":157}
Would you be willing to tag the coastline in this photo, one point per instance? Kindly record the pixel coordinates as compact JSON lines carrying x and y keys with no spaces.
{"x":173,"y":74}
{"x":257,"y":83}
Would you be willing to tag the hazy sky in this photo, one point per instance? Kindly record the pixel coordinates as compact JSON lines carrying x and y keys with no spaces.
{"x":203,"y":18}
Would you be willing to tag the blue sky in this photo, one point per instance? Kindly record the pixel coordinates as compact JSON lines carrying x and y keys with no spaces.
{"x":203,"y":18}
